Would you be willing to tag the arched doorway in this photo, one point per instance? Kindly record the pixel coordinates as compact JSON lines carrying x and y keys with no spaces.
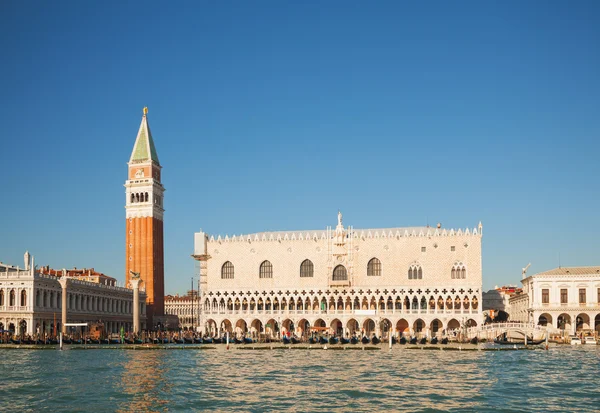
{"x":597,"y":324}
{"x":418,"y":325}
{"x":583,"y":322}
{"x":287,"y":325}
{"x":386,"y":327}
{"x":226,"y":327}
{"x":211,"y":327}
{"x":436,"y":326}
{"x":545,"y":319}
{"x":352,"y":327}
{"x":337,"y":327}
{"x":563,"y":322}
{"x":402,"y":327}
{"x":22,"y":327}
{"x":256,"y":327}
{"x":272,"y":328}
{"x":453,"y":324}
{"x":368,"y":327}
{"x":471,"y":323}
{"x":303,"y":328}
{"x":241,"y":328}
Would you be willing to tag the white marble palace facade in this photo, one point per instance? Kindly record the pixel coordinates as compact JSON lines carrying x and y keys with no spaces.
{"x":31,"y":301}
{"x":419,"y":280}
{"x":566,"y":298}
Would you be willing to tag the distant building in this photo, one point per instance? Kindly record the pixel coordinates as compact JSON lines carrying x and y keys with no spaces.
{"x":496,"y":301}
{"x":31,"y":299}
{"x":85,"y":274}
{"x":186,"y":308}
{"x":567,"y":298}
{"x":420,"y":280}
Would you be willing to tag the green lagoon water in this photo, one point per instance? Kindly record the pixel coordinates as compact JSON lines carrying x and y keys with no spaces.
{"x":563,"y":379}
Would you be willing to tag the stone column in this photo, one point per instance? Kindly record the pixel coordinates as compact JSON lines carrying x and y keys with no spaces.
{"x":63,"y":283}
{"x":135,"y":284}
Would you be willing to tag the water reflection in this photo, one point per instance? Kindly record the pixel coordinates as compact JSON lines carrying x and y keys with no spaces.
{"x":143,"y":382}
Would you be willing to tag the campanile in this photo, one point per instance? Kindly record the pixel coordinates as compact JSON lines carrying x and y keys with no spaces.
{"x":144,"y":221}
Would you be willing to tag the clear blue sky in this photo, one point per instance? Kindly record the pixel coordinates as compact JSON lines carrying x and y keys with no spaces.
{"x":274,"y":115}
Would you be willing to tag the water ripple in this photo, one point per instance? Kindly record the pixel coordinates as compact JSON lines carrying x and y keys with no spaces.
{"x":562,"y":379}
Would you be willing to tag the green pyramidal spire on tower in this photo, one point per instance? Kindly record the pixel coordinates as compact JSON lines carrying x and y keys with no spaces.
{"x":144,"y":150}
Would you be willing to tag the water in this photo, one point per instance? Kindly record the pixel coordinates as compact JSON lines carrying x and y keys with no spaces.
{"x":561,"y":379}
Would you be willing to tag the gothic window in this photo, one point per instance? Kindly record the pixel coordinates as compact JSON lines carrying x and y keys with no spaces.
{"x":306,"y":269}
{"x":146,"y":196}
{"x":339,"y":273}
{"x":11,"y":299}
{"x":374,"y":267}
{"x":227,"y":270}
{"x":266,"y":270}
{"x":23,"y":298}
{"x":458,"y":271}
{"x":1,"y":298}
{"x":415,"y":272}
{"x":132,"y":198}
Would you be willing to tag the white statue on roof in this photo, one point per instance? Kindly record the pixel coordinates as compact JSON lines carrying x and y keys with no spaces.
{"x":339,"y":217}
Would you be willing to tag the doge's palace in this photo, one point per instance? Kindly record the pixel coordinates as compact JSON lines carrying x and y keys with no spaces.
{"x":342,"y":280}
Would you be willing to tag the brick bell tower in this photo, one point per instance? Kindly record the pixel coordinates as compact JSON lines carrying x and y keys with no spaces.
{"x":144,"y":251}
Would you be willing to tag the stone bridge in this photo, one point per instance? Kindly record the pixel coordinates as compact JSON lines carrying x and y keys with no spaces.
{"x":491,"y":331}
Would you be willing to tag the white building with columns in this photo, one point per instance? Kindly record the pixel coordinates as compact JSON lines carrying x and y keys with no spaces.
{"x":566,"y":298}
{"x":416,"y":280}
{"x":31,"y":301}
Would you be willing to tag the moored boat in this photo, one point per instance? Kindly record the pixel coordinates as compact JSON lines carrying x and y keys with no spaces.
{"x":323,"y":340}
{"x":333,"y":340}
{"x":423,"y":340}
{"x":295,"y":340}
{"x":365,"y":340}
{"x":207,"y":340}
{"x":434,"y":340}
{"x":444,"y":340}
{"x":353,"y":340}
{"x":344,"y":340}
{"x":413,"y":340}
{"x":375,"y":340}
{"x":286,"y":340}
{"x":313,"y":340}
{"x":402,"y":340}
{"x":248,"y":340}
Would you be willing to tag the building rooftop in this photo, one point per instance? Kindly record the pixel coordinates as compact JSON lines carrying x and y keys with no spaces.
{"x":572,"y":271}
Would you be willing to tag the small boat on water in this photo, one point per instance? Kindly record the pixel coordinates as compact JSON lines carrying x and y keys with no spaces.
{"x":313,"y":340}
{"x":295,"y":340}
{"x":589,"y":340}
{"x":353,"y":340}
{"x":394,"y":340}
{"x":188,"y":340}
{"x":67,"y":341}
{"x":207,"y":340}
{"x":375,"y":340}
{"x":474,"y":340}
{"x":423,"y":340}
{"x":344,"y":340}
{"x":444,"y":340}
{"x":333,"y":340}
{"x":137,"y":341}
{"x":78,"y":341}
{"x":286,"y":340}
{"x":402,"y":340}
{"x":434,"y":340}
{"x":323,"y":340}
{"x":15,"y":341}
{"x":218,"y":340}
{"x":238,"y":341}
{"x":413,"y":340}
{"x":248,"y":340}
{"x":365,"y":340}
{"x":178,"y":340}
{"x":197,"y":340}
{"x":513,"y":342}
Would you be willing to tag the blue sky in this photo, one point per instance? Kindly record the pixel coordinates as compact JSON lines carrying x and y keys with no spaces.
{"x":274,"y":115}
